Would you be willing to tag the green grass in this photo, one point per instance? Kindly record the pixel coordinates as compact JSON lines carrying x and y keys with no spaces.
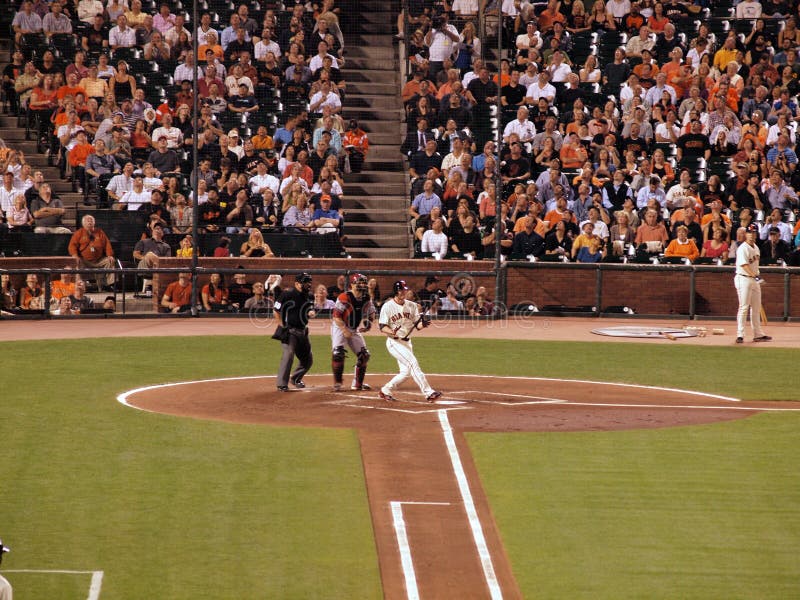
{"x":691,"y":512}
{"x":168,"y":507}
{"x":178,"y":508}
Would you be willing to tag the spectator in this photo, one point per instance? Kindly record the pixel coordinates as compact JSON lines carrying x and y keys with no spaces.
{"x":48,"y":212}
{"x":119,"y":184}
{"x":163,"y":159}
{"x":215,"y":295}
{"x":26,"y":21}
{"x":299,"y":216}
{"x":90,"y":247}
{"x":527,"y":242}
{"x":325,"y":219}
{"x":239,"y":217}
{"x":147,"y":252}
{"x":682,"y":246}
{"x":178,"y":295}
{"x":255,"y":246}
{"x":121,"y":35}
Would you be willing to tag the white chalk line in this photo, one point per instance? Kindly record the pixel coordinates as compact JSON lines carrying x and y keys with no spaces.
{"x":689,"y":406}
{"x":124,"y":396}
{"x":94,"y":587}
{"x":469,"y":505}
{"x":409,"y":575}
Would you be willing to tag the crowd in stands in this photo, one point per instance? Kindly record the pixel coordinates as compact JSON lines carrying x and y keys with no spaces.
{"x":106,"y":88}
{"x":625,"y":130}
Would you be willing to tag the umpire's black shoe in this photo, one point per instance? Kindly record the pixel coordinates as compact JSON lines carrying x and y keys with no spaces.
{"x":762,"y":338}
{"x":283,"y":388}
{"x":740,"y":340}
{"x":298,"y":383}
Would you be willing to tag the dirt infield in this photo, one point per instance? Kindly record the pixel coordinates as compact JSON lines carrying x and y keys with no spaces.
{"x":434,"y":530}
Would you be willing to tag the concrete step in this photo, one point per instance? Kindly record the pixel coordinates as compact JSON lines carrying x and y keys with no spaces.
{"x":376,"y":52}
{"x":373,"y":126}
{"x":375,"y":187}
{"x":385,"y":27}
{"x":375,"y":215}
{"x":374,"y":101}
{"x":379,"y":252}
{"x":381,"y":138}
{"x":369,"y":75}
{"x":385,"y":165}
{"x":368,"y":40}
{"x":377,"y":203}
{"x":377,"y":231}
{"x":369,"y":87}
{"x":385,"y":151}
{"x":369,"y":62}
{"x":373,"y":241}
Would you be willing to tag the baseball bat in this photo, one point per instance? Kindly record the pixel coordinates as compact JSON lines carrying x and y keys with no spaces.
{"x":764,"y":320}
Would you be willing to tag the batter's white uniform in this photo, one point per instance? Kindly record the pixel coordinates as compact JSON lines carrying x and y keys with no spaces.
{"x":6,"y":593}
{"x":401,"y":318}
{"x":748,"y":289}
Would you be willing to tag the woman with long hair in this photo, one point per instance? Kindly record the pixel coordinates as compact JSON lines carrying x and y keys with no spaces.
{"x":255,"y":246}
{"x":662,"y":168}
{"x":599,"y":19}
{"x":122,"y":84}
{"x":41,"y":105}
{"x":589,"y":73}
{"x":215,"y":294}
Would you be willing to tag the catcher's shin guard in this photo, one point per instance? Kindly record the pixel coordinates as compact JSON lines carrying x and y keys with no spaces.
{"x":337,"y":363}
{"x":361,"y":366}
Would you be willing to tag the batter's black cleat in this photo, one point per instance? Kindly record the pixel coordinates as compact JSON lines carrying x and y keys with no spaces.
{"x":298,"y":383}
{"x":387,"y":397}
{"x":762,"y":338}
{"x":740,"y":340}
{"x":434,"y":397}
{"x":283,"y":388}
{"x":363,"y":386}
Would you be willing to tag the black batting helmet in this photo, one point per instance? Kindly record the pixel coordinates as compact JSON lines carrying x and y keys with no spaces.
{"x":399,"y":286}
{"x":303,"y":277}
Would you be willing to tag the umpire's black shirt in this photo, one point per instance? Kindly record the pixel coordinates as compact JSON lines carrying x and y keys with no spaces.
{"x":293,"y":306}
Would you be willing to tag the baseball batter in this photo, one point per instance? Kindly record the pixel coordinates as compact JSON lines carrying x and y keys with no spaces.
{"x":399,"y":317}
{"x":352,"y":315}
{"x":748,"y":287}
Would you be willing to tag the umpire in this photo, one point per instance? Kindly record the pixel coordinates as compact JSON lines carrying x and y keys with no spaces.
{"x":292,"y":310}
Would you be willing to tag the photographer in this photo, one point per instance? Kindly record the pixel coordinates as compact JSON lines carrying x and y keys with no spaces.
{"x":781,"y":156}
{"x":441,"y":41}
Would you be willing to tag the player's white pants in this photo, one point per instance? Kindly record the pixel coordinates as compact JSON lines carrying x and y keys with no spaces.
{"x":404,"y":353}
{"x":749,"y":292}
{"x":5,"y":589}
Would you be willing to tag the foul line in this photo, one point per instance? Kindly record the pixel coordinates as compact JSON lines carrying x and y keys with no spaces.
{"x":469,"y":505}
{"x":695,"y":407}
{"x":405,"y":549}
{"x":94,"y":587}
{"x":563,"y":380}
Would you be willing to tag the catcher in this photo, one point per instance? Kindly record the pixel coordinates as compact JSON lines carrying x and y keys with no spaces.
{"x":352,"y":315}
{"x":399,"y":318}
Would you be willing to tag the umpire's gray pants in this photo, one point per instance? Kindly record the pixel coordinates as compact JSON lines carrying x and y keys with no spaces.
{"x":298,"y":345}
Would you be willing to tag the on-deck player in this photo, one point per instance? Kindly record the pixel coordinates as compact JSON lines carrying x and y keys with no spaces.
{"x":399,"y":317}
{"x":748,"y":287}
{"x":352,"y":315}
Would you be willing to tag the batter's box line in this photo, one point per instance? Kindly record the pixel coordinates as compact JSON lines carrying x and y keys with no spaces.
{"x":94,"y":586}
{"x":433,"y":408}
{"x":533,"y":399}
{"x":401,"y":534}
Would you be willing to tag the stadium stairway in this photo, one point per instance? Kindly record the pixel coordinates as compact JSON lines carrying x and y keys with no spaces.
{"x":375,"y":199}
{"x":14,"y":137}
